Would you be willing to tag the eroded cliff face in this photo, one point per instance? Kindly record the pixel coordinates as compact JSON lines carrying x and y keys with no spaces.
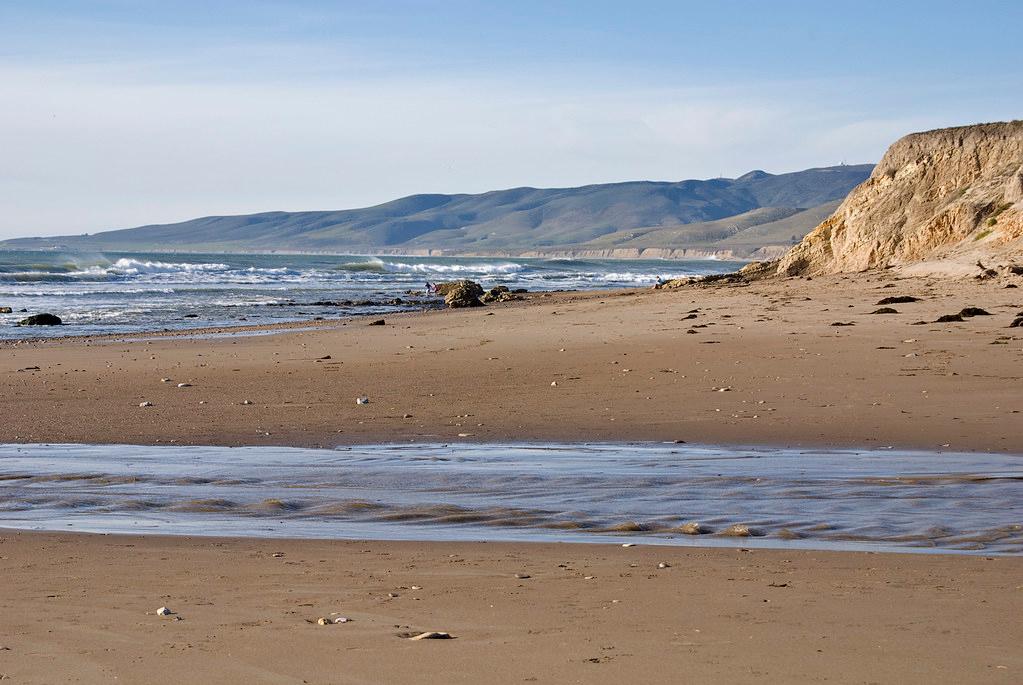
{"x":950,"y":194}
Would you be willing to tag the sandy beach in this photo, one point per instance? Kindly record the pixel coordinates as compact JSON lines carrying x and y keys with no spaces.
{"x":761,"y":364}
{"x":82,"y":608}
{"x":757,"y":364}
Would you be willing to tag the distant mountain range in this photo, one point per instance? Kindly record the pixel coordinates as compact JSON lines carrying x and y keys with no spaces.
{"x":755,"y":214}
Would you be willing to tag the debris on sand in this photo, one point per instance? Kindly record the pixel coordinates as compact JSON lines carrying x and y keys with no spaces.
{"x":430,"y":635}
{"x":164,"y":611}
{"x":973,"y":311}
{"x":898,"y":299}
{"x":843,"y":323}
{"x":145,"y":404}
{"x":378,"y":322}
{"x":362,"y":400}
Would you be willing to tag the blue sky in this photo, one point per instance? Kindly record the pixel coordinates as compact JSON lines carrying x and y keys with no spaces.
{"x":121,"y":113}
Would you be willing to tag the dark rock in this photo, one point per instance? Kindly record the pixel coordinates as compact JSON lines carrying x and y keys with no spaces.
{"x":688,"y":316}
{"x":885,"y":310}
{"x":6,"y":310}
{"x":1018,"y":323}
{"x":843,"y":323}
{"x":949,"y":318}
{"x":378,"y":322}
{"x":190,"y":316}
{"x":40,"y":320}
{"x":898,"y":299}
{"x":973,"y":311}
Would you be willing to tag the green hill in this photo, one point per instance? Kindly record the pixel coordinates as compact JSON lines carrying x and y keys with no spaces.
{"x":634,"y":214}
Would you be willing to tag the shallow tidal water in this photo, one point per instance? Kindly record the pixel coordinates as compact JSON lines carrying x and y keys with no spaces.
{"x":884,"y":500}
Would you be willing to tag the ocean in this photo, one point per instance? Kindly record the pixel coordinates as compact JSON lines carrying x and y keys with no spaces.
{"x":119,"y":292}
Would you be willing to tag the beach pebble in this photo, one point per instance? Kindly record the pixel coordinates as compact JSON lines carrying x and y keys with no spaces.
{"x":663,"y":565}
{"x":165,"y":380}
{"x":522,"y":576}
{"x":246,"y":401}
{"x":692,"y":528}
{"x":323,"y":621}
{"x":554,"y":384}
{"x":629,"y":544}
{"x":145,"y":404}
{"x":164,"y":611}
{"x":342,"y":619}
{"x":184,"y":385}
{"x":431,"y":635}
{"x":362,"y":400}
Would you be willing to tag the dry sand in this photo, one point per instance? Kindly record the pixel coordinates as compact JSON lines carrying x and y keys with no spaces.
{"x":625,"y":368}
{"x":81,"y":609}
{"x":73,"y":608}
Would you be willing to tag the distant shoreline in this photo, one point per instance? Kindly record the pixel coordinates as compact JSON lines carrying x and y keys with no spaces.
{"x":618,"y":254}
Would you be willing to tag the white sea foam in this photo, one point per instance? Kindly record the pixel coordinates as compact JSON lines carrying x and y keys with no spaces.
{"x":134,"y":267}
{"x":468,"y":268}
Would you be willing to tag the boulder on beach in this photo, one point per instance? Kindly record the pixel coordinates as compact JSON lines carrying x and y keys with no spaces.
{"x":501,"y":293}
{"x":460,"y":294}
{"x":6,"y":310}
{"x":40,"y":320}
{"x":443,"y":289}
{"x":495,"y":293}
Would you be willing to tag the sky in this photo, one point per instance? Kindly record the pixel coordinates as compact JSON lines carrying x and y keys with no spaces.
{"x":120,"y":113}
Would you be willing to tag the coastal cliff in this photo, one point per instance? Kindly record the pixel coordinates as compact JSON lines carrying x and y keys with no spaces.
{"x":952,"y":196}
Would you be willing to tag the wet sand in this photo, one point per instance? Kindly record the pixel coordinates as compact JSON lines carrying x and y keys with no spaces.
{"x":625,"y":366}
{"x":81,"y":609}
{"x":584,"y":366}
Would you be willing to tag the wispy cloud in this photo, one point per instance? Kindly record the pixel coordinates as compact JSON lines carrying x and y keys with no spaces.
{"x":131,"y":116}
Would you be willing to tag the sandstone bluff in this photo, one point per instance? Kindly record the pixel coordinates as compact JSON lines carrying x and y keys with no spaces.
{"x":941,"y":200}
